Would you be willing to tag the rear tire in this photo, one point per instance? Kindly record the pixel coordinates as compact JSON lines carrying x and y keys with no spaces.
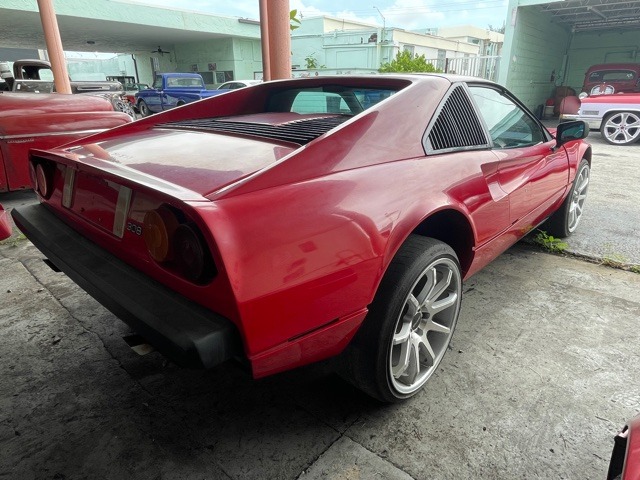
{"x":565,"y":220}
{"x":410,"y":322}
{"x":144,"y":108}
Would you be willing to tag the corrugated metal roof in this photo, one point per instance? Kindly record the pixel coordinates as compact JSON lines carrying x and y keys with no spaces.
{"x":585,"y":15}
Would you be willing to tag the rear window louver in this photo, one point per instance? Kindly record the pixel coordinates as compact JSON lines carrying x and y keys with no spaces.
{"x":457,"y":125}
{"x":297,"y":131}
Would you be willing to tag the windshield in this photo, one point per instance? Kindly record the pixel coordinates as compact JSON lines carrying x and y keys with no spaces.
{"x":328,"y":99}
{"x":612,"y":75}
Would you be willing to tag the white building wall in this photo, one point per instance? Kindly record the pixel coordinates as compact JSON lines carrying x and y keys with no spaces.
{"x":339,"y":44}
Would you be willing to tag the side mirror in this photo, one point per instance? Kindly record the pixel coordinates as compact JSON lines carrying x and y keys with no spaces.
{"x":568,"y":131}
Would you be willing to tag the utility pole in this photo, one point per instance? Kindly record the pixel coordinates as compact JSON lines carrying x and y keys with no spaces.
{"x":382,"y":37}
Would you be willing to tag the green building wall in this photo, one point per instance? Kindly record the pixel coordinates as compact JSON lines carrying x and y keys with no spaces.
{"x":534,"y":55}
{"x":590,"y":48}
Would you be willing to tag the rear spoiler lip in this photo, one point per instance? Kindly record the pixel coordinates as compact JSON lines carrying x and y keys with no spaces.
{"x":120,"y":174}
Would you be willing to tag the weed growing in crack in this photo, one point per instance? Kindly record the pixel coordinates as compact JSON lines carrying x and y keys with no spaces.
{"x":549,"y":242}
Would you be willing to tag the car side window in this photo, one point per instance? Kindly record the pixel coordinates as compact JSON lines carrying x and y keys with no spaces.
{"x":157,"y":82}
{"x":508,"y":124}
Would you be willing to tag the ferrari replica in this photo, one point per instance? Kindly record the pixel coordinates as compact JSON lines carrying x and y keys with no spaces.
{"x":292,"y":221}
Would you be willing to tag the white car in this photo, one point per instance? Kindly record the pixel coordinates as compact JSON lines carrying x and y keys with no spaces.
{"x":234,"y":84}
{"x":617,"y":116}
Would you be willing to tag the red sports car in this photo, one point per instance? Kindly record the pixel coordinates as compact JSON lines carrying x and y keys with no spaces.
{"x":292,"y":221}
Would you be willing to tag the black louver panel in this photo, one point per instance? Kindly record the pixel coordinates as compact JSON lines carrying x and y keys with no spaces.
{"x":457,"y":125}
{"x":299,"y":131}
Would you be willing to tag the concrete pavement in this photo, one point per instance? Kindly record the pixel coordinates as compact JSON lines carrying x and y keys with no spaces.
{"x":610,"y":228}
{"x":543,"y":370}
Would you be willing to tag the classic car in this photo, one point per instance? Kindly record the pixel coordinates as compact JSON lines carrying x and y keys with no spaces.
{"x":608,"y":78}
{"x":45,"y":121}
{"x":625,"y":457}
{"x":616,"y":116}
{"x":36,"y":76}
{"x":32,"y":69}
{"x":172,"y":90}
{"x":5,"y":225}
{"x":285,"y":223}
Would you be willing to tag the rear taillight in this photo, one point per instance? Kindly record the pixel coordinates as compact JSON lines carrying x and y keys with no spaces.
{"x":159,"y":227}
{"x":41,"y":174}
{"x":177,"y":244}
{"x":191,"y":258}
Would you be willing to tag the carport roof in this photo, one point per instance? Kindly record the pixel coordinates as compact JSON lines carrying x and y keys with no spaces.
{"x":115,"y":26}
{"x":582,"y":15}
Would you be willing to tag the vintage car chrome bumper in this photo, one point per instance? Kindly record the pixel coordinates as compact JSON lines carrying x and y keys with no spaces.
{"x":593,"y":122}
{"x":182,"y":330}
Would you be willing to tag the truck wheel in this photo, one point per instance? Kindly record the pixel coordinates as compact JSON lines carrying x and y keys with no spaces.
{"x":144,"y":108}
{"x":410,"y":322}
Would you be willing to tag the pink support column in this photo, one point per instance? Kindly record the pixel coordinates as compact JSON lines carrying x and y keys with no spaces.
{"x":279,"y":39}
{"x":264,"y":40}
{"x":54,"y":46}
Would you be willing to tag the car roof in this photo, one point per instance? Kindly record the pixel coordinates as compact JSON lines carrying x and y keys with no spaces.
{"x":614,"y":66}
{"x":411,"y":77}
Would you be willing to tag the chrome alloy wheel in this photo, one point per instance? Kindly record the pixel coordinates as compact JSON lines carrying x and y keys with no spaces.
{"x":578,"y":197}
{"x":425,"y":326}
{"x":622,"y":128}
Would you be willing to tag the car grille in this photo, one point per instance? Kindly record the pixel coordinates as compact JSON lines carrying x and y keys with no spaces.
{"x":297,"y":131}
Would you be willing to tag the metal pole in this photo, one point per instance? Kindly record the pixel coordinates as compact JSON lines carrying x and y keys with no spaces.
{"x":279,"y":39}
{"x":264,"y":40}
{"x":54,"y":46}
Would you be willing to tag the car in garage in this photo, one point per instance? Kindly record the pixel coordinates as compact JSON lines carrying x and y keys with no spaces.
{"x":304,"y":219}
{"x":46,"y":120}
{"x":608,"y":78}
{"x":616,"y":116}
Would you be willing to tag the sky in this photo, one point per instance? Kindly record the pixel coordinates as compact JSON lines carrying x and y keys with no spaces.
{"x":407,"y":14}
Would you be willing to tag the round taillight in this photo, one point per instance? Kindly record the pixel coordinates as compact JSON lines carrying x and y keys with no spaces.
{"x":43,"y":181}
{"x":190,"y":254}
{"x":32,"y":176}
{"x":159,"y":226}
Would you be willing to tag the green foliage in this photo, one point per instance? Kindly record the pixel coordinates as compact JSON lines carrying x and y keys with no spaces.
{"x":294,"y":21}
{"x":549,"y":242}
{"x":408,"y":63}
{"x":312,"y":63}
